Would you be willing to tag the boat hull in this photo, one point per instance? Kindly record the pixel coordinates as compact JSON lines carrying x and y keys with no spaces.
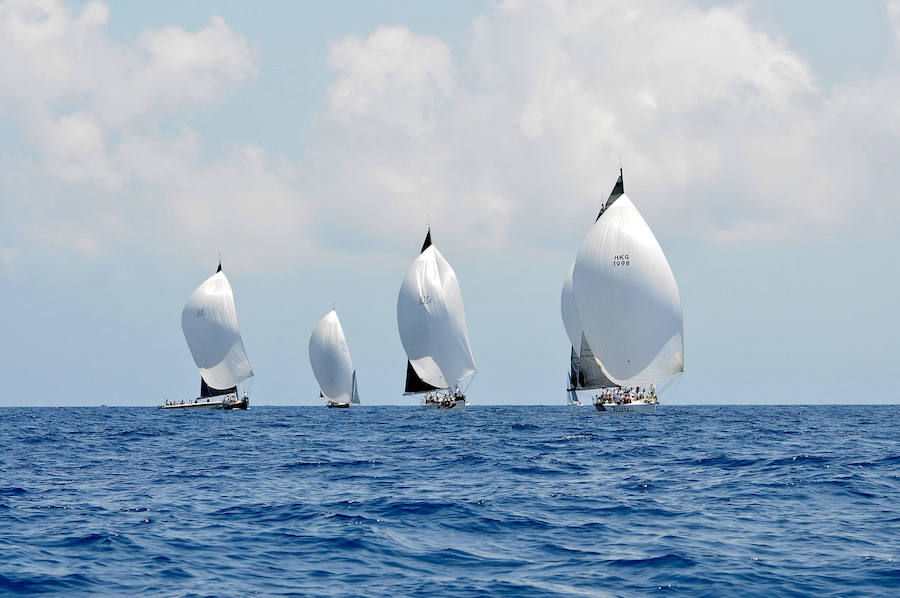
{"x":617,"y":409}
{"x":211,"y":403}
{"x":333,"y":405}
{"x":242,"y":403}
{"x":193,"y":405}
{"x":445,"y":403}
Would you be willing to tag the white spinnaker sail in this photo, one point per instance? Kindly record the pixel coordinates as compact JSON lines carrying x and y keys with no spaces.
{"x":432,"y":321}
{"x":210,"y":326}
{"x":627,"y":299}
{"x":329,"y":357}
{"x":570,"y":312}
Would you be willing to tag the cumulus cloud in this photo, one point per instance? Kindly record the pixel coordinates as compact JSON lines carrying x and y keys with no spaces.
{"x":724,"y":131}
{"x":393,"y":76}
{"x":89,"y":110}
{"x":511,"y":139}
{"x":52,"y":55}
{"x":893,"y":11}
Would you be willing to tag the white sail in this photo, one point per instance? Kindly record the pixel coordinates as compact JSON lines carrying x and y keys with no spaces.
{"x":354,"y":393}
{"x":210,"y":327}
{"x":569,"y":311}
{"x":586,"y":370}
{"x":432,"y":321}
{"x":627,"y":300}
{"x":329,"y":357}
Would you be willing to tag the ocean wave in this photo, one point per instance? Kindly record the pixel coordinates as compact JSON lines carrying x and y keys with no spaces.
{"x":495,"y":501}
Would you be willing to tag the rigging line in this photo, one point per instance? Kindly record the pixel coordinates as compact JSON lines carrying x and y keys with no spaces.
{"x":471,"y":379}
{"x":671,"y":386}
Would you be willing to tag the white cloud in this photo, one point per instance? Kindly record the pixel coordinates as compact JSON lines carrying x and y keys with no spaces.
{"x":893,"y":11}
{"x":51,"y":56}
{"x":89,"y":110}
{"x":75,"y":150}
{"x":724,"y":131}
{"x":394,"y":76}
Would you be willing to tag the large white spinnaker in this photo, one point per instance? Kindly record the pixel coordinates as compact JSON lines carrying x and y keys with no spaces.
{"x":329,"y":357}
{"x":210,"y":326}
{"x":432,"y":324}
{"x":627,"y":300}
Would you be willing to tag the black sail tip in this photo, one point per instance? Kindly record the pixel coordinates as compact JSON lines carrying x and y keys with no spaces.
{"x":617,"y":191}
{"x":427,"y":242}
{"x":219,"y":269}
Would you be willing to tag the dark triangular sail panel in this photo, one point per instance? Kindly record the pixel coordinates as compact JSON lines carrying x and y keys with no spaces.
{"x":209,"y":391}
{"x":427,"y":242}
{"x":219,"y":269}
{"x":414,"y":383}
{"x":616,"y":193}
{"x":574,"y":362}
{"x":590,"y":374}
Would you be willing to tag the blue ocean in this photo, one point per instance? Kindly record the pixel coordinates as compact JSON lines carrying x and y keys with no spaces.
{"x":492,"y":501}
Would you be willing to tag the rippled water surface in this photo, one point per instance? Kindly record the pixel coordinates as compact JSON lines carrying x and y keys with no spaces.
{"x":493,"y":501}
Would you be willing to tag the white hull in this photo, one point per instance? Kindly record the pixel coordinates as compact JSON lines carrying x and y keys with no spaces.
{"x":227,"y":402}
{"x":634,"y":407}
{"x":212,"y":404}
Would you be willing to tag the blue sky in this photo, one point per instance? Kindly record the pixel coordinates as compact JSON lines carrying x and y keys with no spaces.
{"x":308,"y":144}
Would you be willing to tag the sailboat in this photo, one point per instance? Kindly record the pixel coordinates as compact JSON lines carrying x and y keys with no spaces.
{"x":628,"y":306}
{"x":210,"y":326}
{"x":433,"y":331}
{"x":329,"y":357}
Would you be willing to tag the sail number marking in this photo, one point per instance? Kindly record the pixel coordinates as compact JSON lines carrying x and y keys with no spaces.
{"x":425,"y":300}
{"x":621,"y":259}
{"x":200,"y":312}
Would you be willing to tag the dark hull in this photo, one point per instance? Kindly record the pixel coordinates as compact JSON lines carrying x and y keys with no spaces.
{"x":243,"y":403}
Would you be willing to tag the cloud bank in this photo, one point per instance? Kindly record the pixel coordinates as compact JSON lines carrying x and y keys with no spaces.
{"x":511,"y":140}
{"x":102,"y":167}
{"x":724,"y":131}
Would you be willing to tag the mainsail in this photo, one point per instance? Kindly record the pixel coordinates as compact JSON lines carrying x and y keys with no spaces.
{"x":432,"y":324}
{"x":329,"y":357}
{"x":626,"y":298}
{"x":585,"y":371}
{"x":210,"y":326}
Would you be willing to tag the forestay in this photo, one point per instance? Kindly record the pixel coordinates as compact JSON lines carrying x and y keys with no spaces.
{"x":210,"y":326}
{"x":329,"y":357}
{"x":432,"y":321}
{"x":627,"y":299}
